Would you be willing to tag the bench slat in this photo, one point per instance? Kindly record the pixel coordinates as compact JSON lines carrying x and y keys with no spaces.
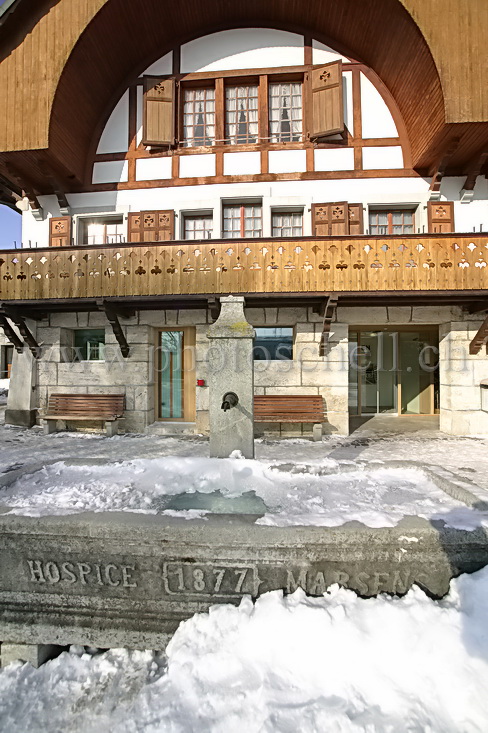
{"x":289,"y":408}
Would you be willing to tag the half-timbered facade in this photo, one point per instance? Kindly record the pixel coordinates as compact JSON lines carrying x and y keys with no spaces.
{"x":337,"y":181}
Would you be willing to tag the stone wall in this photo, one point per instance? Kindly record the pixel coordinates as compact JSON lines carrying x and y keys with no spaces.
{"x":307,"y":373}
{"x":460,"y":378}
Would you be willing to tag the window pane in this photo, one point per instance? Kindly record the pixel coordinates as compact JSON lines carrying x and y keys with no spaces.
{"x":273,"y":343}
{"x":241,"y":221}
{"x":198,"y":227}
{"x":285,"y":112}
{"x":287,"y":224}
{"x":89,"y":344}
{"x":393,"y":221}
{"x":199,"y":117}
{"x":241,"y":114}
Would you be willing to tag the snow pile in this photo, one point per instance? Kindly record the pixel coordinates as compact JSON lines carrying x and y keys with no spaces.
{"x":337,"y":663}
{"x":326,"y":494}
{"x":4,"y":385}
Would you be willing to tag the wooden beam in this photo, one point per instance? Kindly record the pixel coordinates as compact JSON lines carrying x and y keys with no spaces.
{"x":27,"y":190}
{"x":17,"y":317}
{"x":112,"y":318}
{"x":56,"y":185}
{"x":480,"y":338}
{"x":213,"y":305}
{"x":438,"y":172}
{"x":329,"y":310}
{"x":474,"y":170}
{"x":10,"y":334}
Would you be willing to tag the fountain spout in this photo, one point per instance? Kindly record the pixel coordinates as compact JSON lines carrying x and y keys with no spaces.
{"x":230,"y":399}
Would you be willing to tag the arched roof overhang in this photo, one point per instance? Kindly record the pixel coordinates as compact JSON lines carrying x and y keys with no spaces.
{"x":117,"y":39}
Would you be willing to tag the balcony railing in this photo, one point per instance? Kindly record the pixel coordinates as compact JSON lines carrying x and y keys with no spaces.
{"x":305,"y":265}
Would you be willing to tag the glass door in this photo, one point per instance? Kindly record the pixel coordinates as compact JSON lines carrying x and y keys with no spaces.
{"x":176,"y":383}
{"x":418,"y":356}
{"x":394,"y":372}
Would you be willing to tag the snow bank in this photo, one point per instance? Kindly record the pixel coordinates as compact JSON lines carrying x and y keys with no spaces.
{"x":284,"y":665}
{"x":328,"y":494}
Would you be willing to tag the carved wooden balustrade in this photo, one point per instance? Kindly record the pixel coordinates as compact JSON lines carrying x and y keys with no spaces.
{"x":417,"y":263}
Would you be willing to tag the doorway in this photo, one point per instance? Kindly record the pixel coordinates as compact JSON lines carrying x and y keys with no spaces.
{"x":175,"y":374}
{"x":394,"y":371}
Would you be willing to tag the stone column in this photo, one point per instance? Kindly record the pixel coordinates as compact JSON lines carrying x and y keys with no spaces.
{"x":22,"y":393}
{"x":231,"y":369}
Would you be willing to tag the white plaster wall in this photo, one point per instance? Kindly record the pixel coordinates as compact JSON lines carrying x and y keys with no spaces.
{"x":161,"y":67}
{"x":115,"y":136}
{"x":373,"y":191}
{"x":115,"y":171}
{"x":287,"y":161}
{"x":195,"y":166}
{"x":376,"y":118}
{"x":242,"y":48}
{"x":139,"y":113}
{"x":467,"y":216}
{"x":387,"y":157}
{"x":322,"y":54}
{"x":153,"y":169}
{"x":329,"y":159}
{"x":347,"y":97}
{"x":240,"y":164}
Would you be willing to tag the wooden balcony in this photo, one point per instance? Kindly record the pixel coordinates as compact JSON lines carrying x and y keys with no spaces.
{"x":306,"y":265}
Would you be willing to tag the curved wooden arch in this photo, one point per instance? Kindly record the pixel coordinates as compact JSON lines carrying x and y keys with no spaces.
{"x":91,"y":50}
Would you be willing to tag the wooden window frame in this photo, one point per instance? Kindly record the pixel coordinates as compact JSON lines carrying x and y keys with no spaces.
{"x":246,"y":77}
{"x":390,"y":224}
{"x":242,"y":219}
{"x":83,"y":223}
{"x":284,"y":212}
{"x":195,"y":215}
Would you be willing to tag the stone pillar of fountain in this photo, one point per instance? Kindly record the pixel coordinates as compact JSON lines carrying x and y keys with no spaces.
{"x":231,"y":370}
{"x":22,"y":394}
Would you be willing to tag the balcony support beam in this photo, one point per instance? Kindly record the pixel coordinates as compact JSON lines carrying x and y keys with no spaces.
{"x":213,"y":305}
{"x":112,"y":317}
{"x":329,"y":311}
{"x":474,"y":170}
{"x":10,"y":334}
{"x":437,"y":173}
{"x":480,"y":339}
{"x":17,"y":318}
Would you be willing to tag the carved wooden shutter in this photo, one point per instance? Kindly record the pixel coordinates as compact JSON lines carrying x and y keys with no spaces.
{"x":320,"y":220}
{"x":151,"y":226}
{"x":60,"y":231}
{"x":355,"y":219}
{"x":330,"y":219}
{"x":441,"y":216}
{"x":159,"y":115}
{"x":327,"y":117}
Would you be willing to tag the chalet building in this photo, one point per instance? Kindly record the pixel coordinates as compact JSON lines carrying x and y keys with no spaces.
{"x":328,"y":161}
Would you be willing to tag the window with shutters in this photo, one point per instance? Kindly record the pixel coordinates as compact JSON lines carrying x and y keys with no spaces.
{"x":392,"y":221}
{"x":287,"y":223}
{"x":101,"y":230}
{"x":269,"y":107}
{"x":197,"y":226}
{"x":285,"y":112}
{"x":199,"y":117}
{"x":241,"y":220}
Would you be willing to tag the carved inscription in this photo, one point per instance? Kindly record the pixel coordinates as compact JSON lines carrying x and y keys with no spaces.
{"x":81,"y":573}
{"x":315,"y":583}
{"x":207,"y":579}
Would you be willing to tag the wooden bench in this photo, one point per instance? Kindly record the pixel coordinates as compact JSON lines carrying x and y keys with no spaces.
{"x":291,"y":409}
{"x":86,"y":407}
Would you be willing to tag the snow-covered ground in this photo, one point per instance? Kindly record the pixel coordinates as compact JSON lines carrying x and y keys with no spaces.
{"x":335,"y":664}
